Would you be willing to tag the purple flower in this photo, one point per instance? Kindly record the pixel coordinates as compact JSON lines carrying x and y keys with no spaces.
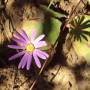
{"x":29,"y":47}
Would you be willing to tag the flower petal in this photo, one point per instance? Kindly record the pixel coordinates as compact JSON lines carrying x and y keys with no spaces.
{"x":17,"y":55}
{"x":23,"y":33}
{"x":23,"y":61}
{"x":39,"y":38}
{"x":18,"y":35}
{"x":16,"y":47}
{"x":41,"y":54}
{"x":29,"y":60}
{"x":19,"y":40}
{"x":33,"y":34}
{"x":40,"y":44}
{"x":36,"y":60}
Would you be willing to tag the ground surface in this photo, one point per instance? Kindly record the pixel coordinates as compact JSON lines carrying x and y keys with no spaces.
{"x":71,"y":73}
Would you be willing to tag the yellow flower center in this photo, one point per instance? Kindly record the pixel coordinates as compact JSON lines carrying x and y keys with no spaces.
{"x":30,"y":48}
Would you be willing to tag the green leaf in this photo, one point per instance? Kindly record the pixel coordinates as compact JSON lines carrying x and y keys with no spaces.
{"x":52,"y":29}
{"x":51,"y":12}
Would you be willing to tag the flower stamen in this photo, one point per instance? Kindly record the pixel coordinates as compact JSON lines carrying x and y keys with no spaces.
{"x":30,"y":48}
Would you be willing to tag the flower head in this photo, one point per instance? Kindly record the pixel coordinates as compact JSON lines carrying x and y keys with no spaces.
{"x":29,"y":47}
